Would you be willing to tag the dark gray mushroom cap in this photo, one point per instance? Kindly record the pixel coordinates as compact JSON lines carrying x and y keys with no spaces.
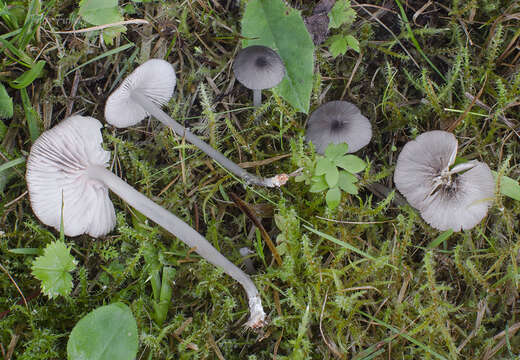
{"x":258,"y":67}
{"x":337,"y":122}
{"x":446,"y":198}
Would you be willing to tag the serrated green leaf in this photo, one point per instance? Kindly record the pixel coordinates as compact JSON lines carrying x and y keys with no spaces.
{"x":333,"y":151}
{"x":341,"y":13}
{"x":347,"y":182}
{"x":6,"y":104}
{"x":333,"y":197}
{"x":52,"y":269}
{"x":351,"y":163}
{"x":29,"y":76}
{"x":338,"y":45}
{"x":508,"y":186}
{"x":102,"y":12}
{"x":332,"y":177}
{"x":318,"y":184}
{"x":323,"y":166}
{"x":271,"y":23}
{"x":106,"y":333}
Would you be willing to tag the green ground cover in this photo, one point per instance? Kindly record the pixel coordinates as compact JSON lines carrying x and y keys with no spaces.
{"x":368,"y":279}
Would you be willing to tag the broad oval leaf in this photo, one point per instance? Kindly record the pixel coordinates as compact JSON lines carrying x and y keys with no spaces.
{"x":333,"y":197}
{"x":271,"y":23}
{"x":106,"y":333}
{"x":318,"y":184}
{"x":347,"y":182}
{"x":351,"y":163}
{"x":324,"y":166}
{"x":332,"y":177}
{"x":334,"y":151}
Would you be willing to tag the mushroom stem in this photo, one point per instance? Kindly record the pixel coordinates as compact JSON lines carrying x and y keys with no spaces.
{"x":155,"y":111}
{"x":184,"y":232}
{"x":257,"y":97}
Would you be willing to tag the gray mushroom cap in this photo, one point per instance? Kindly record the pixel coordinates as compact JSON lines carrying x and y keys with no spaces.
{"x":456,"y":198}
{"x":57,"y":171}
{"x":154,"y":79}
{"x":337,"y":122}
{"x":258,"y":67}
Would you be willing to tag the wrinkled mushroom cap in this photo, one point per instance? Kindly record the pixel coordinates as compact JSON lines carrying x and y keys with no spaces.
{"x":258,"y":67}
{"x":338,"y":122}
{"x":155,"y":79}
{"x":460,"y":204}
{"x":57,"y":169}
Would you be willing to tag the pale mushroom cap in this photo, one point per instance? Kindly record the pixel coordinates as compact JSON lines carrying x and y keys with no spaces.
{"x":154,"y":79}
{"x":258,"y":67}
{"x":338,"y":122}
{"x":57,"y":169}
{"x":458,"y":206}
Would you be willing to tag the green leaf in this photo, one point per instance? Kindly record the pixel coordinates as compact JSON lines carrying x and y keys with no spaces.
{"x":334,"y":151}
{"x":318,"y":184}
{"x":332,"y":177}
{"x":333,"y":197}
{"x":31,"y":116}
{"x":102,"y":12}
{"x":353,"y":43}
{"x":29,"y":76}
{"x":338,"y":45}
{"x":323,"y":166}
{"x":508,"y":187}
{"x":440,"y":239}
{"x":271,"y":23}
{"x":6,"y":103}
{"x":341,"y":13}
{"x":347,"y":182}
{"x":52,"y":269}
{"x":106,"y":333}
{"x":351,"y":163}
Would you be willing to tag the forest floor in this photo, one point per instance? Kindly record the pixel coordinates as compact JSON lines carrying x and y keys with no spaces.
{"x":408,"y":292}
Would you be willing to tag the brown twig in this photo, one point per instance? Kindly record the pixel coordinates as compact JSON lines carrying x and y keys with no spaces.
{"x":251,"y":215}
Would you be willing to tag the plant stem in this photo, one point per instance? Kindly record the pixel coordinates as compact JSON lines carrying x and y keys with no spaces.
{"x":216,"y":155}
{"x":184,"y":232}
{"x":257,"y":98}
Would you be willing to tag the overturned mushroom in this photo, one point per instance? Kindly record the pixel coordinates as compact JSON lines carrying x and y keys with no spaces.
{"x":66,"y":174}
{"x":257,"y":68}
{"x":447,"y":197}
{"x":143,"y":93}
{"x":337,"y":122}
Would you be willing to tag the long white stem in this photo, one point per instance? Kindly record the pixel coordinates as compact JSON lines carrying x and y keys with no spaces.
{"x":155,"y":111}
{"x":184,"y":232}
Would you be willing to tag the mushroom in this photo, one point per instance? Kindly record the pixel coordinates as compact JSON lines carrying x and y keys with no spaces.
{"x":257,"y":68}
{"x":143,"y":93}
{"x":67,"y":174}
{"x":337,"y":122}
{"x":447,"y":197}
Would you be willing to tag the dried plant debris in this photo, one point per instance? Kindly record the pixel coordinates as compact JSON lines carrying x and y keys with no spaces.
{"x":318,"y":23}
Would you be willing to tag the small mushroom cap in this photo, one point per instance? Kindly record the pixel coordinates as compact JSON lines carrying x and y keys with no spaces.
{"x":258,"y":67}
{"x":57,"y":168}
{"x":155,"y":79}
{"x":338,"y":122}
{"x":460,"y":204}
